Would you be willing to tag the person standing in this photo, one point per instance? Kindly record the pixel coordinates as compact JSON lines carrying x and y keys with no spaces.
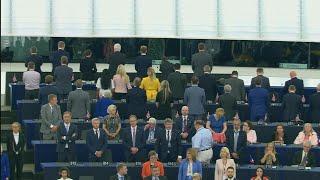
{"x":177,"y":82}
{"x":153,"y":162}
{"x":5,"y":166}
{"x":63,"y":76}
{"x":298,"y":83}
{"x":202,"y":141}
{"x":116,"y":59}
{"x":55,"y":57}
{"x":291,"y":105}
{"x":208,"y":83}
{"x":79,"y":102}
{"x":49,"y":88}
{"x":122,"y":173}
{"x":88,"y":66}
{"x":189,"y":166}
{"x":184,"y":124}
{"x":67,"y":134}
{"x":222,"y":165}
{"x":112,"y":123}
{"x":137,"y":100}
{"x":258,"y":102}
{"x":151,"y":85}
{"x":143,"y":62}
{"x":315,"y":105}
{"x":164,"y":101}
{"x":35,"y":58}
{"x":237,"y":86}
{"x":195,"y":99}
{"x":165,"y":68}
{"x":31,"y":80}
{"x":15,"y":147}
{"x":265,"y":83}
{"x":200,"y":59}
{"x":217,"y":125}
{"x":151,"y":131}
{"x":228,"y":103}
{"x":120,"y":83}
{"x":50,"y":118}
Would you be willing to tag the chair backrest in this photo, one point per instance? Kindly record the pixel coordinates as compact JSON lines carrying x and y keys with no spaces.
{"x":86,"y":177}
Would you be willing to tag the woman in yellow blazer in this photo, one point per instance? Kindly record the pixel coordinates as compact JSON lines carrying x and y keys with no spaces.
{"x":151,"y":85}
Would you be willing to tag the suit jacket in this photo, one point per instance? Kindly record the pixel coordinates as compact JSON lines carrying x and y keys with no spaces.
{"x":311,"y":162}
{"x":12,"y":147}
{"x":37,"y":62}
{"x":195,"y":98}
{"x":238,"y":89}
{"x":178,"y":83}
{"x":95,"y":144}
{"x":183,"y":168}
{"x":160,"y":178}
{"x":71,"y":137}
{"x":115,"y":60}
{"x":45,"y":91}
{"x":242,"y":141}
{"x":78,"y":103}
{"x":265,"y":83}
{"x":63,"y":77}
{"x":298,"y":83}
{"x":161,"y":145}
{"x":199,"y":60}
{"x":143,"y":62}
{"x":48,"y":118}
{"x":137,"y":102}
{"x":115,"y":177}
{"x":229,"y":104}
{"x":55,"y":58}
{"x":258,"y":101}
{"x":157,"y":133}
{"x":209,"y":84}
{"x":190,"y":128}
{"x":291,"y":106}
{"x":166,"y":68}
{"x":127,"y":138}
{"x":88,"y":69}
{"x":315,"y":107}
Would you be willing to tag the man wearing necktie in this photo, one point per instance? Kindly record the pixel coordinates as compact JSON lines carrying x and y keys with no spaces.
{"x":184,"y":124}
{"x":67,"y":134}
{"x":152,"y":131}
{"x":305,"y":157}
{"x":122,"y":172}
{"x":155,"y":174}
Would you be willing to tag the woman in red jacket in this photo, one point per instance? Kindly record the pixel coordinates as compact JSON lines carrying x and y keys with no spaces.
{"x":153,"y":161}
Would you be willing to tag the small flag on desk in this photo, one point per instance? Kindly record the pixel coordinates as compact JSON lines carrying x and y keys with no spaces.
{"x":251,"y":161}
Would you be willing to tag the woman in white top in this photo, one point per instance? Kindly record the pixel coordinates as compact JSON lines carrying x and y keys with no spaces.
{"x":120,"y":83}
{"x":64,"y":174}
{"x":223,"y":163}
{"x":251,"y":134}
{"x":308,"y":134}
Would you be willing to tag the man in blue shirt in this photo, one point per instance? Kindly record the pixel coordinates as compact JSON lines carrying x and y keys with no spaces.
{"x":202,"y":141}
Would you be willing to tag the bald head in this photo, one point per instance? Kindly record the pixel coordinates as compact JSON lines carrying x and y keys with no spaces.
{"x":185,"y":110}
{"x":293,"y":74}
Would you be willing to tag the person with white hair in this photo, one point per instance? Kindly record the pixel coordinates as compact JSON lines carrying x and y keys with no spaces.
{"x":315,"y":106}
{"x":115,"y":59}
{"x":308,"y":134}
{"x":298,"y":83}
{"x":112,"y":123}
{"x":228,"y":103}
{"x":152,"y":131}
{"x":304,"y":157}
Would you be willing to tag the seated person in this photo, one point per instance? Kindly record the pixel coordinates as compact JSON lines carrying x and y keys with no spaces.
{"x":259,"y":175}
{"x":153,"y":162}
{"x":279,"y":135}
{"x":151,"y":131}
{"x":155,"y":174}
{"x":184,"y":124}
{"x":64,"y":174}
{"x":122,"y":173}
{"x":231,"y":175}
{"x":308,"y":134}
{"x":97,"y":143}
{"x":270,"y":155}
{"x":103,"y":102}
{"x":190,"y":165}
{"x":196,"y":176}
{"x":305,"y":157}
{"x":112,"y":123}
{"x":251,"y":134}
{"x":217,"y":125}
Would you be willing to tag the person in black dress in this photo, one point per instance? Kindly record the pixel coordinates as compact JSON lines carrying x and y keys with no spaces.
{"x":164,"y":101}
{"x":88,"y":66}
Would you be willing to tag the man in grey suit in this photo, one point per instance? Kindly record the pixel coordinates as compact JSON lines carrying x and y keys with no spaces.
{"x":195,"y":99}
{"x":200,"y":59}
{"x":265,"y":83}
{"x":50,"y":118}
{"x":63,"y":76}
{"x":238,"y":90}
{"x":79,"y":102}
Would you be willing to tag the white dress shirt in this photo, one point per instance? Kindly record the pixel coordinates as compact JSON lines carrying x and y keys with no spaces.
{"x":96,"y":131}
{"x":16,"y":137}
{"x":189,"y":169}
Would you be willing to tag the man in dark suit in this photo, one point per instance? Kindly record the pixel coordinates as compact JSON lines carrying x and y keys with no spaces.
{"x":184,"y":124}
{"x":305,"y":157}
{"x":55,"y":57}
{"x":258,"y":102}
{"x":209,"y":84}
{"x":15,"y":148}
{"x":122,"y":173}
{"x":165,"y":68}
{"x":151,"y":131}
{"x":97,"y":143}
{"x":195,"y":98}
{"x":137,"y":100}
{"x":116,"y":59}
{"x":236,"y":141}
{"x":155,"y":174}
{"x":200,"y":59}
{"x":168,"y":145}
{"x":291,"y":105}
{"x":315,"y":106}
{"x":228,"y":103}
{"x":133,"y":141}
{"x":230,"y":173}
{"x":178,"y":83}
{"x":265,"y":83}
{"x":143,"y":62}
{"x":238,"y":90}
{"x":298,"y":83}
{"x":49,"y":88}
{"x":63,"y":76}
{"x":79,"y":102}
{"x":35,"y":58}
{"x":67,"y":134}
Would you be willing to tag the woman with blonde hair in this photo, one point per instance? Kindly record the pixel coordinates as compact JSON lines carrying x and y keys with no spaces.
{"x":217,"y":125}
{"x":151,"y":85}
{"x":308,"y":134}
{"x":112,"y":123}
{"x":223,"y":163}
{"x":189,"y":166}
{"x":164,"y":101}
{"x":270,"y":155}
{"x":120,"y":83}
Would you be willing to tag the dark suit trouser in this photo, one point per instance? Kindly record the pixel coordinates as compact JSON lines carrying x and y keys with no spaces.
{"x":169,"y":157}
{"x":16,"y":165}
{"x":106,"y":157}
{"x":138,"y":157}
{"x":31,"y":94}
{"x":66,"y":156}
